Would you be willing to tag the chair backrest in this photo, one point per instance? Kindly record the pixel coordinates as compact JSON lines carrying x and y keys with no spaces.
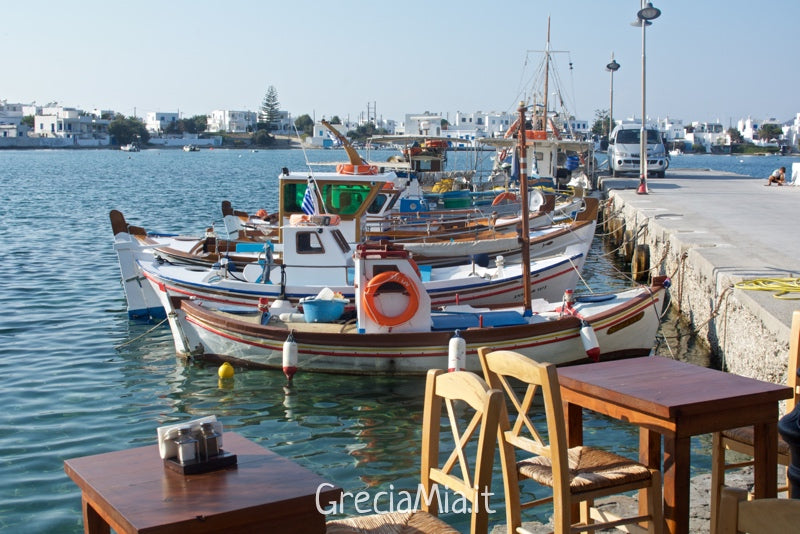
{"x":503,"y":370}
{"x":794,"y":362}
{"x":472,"y":423}
{"x":760,"y":516}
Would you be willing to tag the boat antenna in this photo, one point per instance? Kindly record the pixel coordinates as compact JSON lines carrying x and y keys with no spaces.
{"x":303,"y":147}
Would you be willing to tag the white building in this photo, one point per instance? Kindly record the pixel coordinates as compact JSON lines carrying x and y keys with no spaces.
{"x":708,"y":135}
{"x":749,"y":129}
{"x":231,"y":121}
{"x":491,"y":124}
{"x":157,"y":121}
{"x":791,"y":132}
{"x":71,"y":123}
{"x":672,"y":130}
{"x":11,"y":120}
{"x":322,"y":137}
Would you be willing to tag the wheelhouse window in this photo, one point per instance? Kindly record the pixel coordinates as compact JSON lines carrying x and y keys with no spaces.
{"x":309,"y":243}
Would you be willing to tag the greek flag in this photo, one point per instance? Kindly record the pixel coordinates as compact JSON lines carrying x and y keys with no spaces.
{"x":309,"y":205}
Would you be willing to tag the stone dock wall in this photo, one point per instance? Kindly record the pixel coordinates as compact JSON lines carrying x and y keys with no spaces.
{"x":698,"y":246}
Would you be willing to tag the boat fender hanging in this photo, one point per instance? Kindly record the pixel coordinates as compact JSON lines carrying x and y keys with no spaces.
{"x":456,"y":353}
{"x":589,"y":339}
{"x":289,"y":357}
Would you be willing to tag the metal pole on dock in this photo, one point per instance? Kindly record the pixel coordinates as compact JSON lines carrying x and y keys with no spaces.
{"x":525,"y":235}
{"x":643,"y":18}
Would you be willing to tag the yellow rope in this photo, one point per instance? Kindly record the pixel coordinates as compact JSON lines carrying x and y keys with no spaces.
{"x":782,"y":287}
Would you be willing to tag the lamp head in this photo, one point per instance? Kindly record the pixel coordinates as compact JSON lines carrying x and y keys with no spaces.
{"x":613,"y":66}
{"x":648,"y":12}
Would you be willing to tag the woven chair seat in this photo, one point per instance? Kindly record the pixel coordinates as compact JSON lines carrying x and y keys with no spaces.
{"x":746,"y":435}
{"x":391,"y":523}
{"x":589,"y":469}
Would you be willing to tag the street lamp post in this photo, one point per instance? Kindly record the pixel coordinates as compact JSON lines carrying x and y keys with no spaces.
{"x":643,"y":18}
{"x":612,"y":68}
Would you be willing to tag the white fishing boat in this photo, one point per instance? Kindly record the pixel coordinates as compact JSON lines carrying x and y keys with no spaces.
{"x":130,"y":147}
{"x":315,"y":255}
{"x":397,"y":329}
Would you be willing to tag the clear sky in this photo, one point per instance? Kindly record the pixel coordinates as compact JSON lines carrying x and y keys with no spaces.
{"x":706,"y":59}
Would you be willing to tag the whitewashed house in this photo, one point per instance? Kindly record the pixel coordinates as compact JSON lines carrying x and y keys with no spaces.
{"x":157,"y":121}
{"x":11,"y":119}
{"x":711,"y":135}
{"x":71,"y":123}
{"x":231,"y":121}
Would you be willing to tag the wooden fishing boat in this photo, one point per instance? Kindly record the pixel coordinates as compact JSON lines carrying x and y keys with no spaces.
{"x":395,"y":329}
{"x":315,"y":255}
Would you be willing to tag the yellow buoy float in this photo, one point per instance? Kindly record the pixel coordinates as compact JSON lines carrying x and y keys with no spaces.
{"x":225,"y":370}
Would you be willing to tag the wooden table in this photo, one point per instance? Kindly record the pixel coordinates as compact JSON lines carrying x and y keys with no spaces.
{"x":132,"y":491}
{"x":676,"y":400}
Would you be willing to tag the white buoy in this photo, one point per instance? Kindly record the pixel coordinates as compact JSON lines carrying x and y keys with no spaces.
{"x":589,"y":339}
{"x":289,"y":357}
{"x":456,"y":353}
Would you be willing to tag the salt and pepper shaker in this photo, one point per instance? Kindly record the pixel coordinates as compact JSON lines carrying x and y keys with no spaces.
{"x":209,"y":442}
{"x":187,"y":446}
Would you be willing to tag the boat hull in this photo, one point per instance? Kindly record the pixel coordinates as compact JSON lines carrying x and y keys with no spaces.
{"x":626,"y":328}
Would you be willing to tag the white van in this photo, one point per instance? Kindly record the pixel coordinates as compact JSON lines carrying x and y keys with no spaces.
{"x":624,"y":147}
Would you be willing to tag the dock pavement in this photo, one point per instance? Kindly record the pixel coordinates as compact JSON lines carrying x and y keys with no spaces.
{"x":709,"y":230}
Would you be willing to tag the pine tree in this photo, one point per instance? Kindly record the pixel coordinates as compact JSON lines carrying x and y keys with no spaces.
{"x":270,"y":109}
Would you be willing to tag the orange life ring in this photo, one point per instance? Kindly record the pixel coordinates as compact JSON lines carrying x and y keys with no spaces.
{"x":349,"y":168}
{"x":504,"y":198}
{"x":370,"y":306}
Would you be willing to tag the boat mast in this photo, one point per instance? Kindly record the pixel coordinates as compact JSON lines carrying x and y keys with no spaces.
{"x":546,"y":74}
{"x":525,"y":234}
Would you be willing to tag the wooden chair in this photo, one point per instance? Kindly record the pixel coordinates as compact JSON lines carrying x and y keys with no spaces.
{"x":760,"y":516}
{"x":741,"y":439}
{"x":473,"y":484}
{"x":576,"y":475}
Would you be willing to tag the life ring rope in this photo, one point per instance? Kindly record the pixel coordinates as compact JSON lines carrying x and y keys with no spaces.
{"x":372,"y":308}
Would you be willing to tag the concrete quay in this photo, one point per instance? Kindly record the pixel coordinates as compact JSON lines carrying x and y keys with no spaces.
{"x":708,"y":230}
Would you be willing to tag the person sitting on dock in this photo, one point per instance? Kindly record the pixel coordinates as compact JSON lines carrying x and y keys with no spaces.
{"x":778,"y":176}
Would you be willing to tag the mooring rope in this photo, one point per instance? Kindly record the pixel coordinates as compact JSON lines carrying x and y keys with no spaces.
{"x":140,"y":336}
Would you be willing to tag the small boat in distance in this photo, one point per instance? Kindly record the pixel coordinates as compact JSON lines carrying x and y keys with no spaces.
{"x":130,"y":147}
{"x":191,"y":148}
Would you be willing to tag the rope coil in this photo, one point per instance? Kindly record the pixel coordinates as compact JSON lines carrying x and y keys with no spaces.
{"x":782,"y":287}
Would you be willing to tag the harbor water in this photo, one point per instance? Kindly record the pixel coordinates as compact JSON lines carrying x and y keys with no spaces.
{"x":80,"y":378}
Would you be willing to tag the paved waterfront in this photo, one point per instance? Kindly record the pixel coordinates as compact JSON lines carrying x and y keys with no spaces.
{"x":728,"y":228}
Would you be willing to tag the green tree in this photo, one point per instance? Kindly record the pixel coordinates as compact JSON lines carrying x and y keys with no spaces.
{"x":270,"y":108}
{"x":28,"y":120}
{"x":336,"y":120}
{"x":735,"y":135}
{"x":127,"y":130}
{"x":304,"y":124}
{"x":365,"y":131}
{"x":601,"y":123}
{"x":769,"y":131}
